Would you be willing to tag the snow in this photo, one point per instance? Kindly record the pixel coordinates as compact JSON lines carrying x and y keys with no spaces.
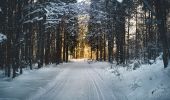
{"x":79,"y":81}
{"x":85,"y":79}
{"x":2,"y":37}
{"x":27,"y":83}
{"x":34,"y":20}
{"x":80,"y":0}
{"x":149,"y":82}
{"x":120,"y":1}
{"x":0,"y":9}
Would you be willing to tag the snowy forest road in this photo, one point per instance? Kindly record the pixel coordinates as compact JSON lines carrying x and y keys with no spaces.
{"x":79,"y":81}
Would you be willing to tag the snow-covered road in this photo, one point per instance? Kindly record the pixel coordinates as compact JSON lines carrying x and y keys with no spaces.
{"x":83,"y":81}
{"x":79,"y":81}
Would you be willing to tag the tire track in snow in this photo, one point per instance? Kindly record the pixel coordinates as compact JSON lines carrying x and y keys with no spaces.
{"x":95,"y":85}
{"x":103,"y":83}
{"x":51,"y":88}
{"x":80,"y":81}
{"x":89,"y":86}
{"x":55,"y":90}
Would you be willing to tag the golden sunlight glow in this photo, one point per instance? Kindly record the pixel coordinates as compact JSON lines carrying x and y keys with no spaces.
{"x":83,"y":50}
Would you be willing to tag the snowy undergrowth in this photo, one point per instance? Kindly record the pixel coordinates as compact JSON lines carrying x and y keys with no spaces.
{"x":149,"y":82}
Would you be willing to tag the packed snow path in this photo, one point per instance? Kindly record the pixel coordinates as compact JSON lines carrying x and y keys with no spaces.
{"x":88,"y":81}
{"x":79,"y":81}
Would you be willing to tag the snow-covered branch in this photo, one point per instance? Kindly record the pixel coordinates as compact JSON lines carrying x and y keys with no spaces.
{"x":2,"y":37}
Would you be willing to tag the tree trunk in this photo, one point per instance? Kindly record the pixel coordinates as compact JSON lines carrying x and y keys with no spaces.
{"x":161,"y":17}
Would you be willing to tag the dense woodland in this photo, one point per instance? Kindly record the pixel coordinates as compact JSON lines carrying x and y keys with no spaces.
{"x":46,"y":31}
{"x":134,"y":29}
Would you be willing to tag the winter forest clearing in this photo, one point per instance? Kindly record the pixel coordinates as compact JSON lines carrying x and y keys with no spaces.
{"x":84,"y":50}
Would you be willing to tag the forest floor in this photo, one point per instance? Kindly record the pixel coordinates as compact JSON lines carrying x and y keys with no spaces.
{"x":83,"y":80}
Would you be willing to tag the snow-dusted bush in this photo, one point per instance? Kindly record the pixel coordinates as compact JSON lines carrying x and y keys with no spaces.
{"x":2,"y":37}
{"x":134,"y":65}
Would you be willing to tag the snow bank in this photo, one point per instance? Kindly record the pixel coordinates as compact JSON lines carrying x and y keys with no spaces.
{"x":2,"y":37}
{"x":26,"y":84}
{"x":149,"y":82}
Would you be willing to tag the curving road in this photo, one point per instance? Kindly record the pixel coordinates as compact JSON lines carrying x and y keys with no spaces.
{"x":79,"y":81}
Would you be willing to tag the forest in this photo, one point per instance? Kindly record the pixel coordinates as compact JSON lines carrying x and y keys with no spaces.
{"x":46,"y":31}
{"x":43,"y":39}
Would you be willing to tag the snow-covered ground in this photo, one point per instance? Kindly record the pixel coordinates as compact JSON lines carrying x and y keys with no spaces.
{"x":149,"y":82}
{"x":88,"y":80}
{"x":26,"y":84}
{"x":80,"y":81}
